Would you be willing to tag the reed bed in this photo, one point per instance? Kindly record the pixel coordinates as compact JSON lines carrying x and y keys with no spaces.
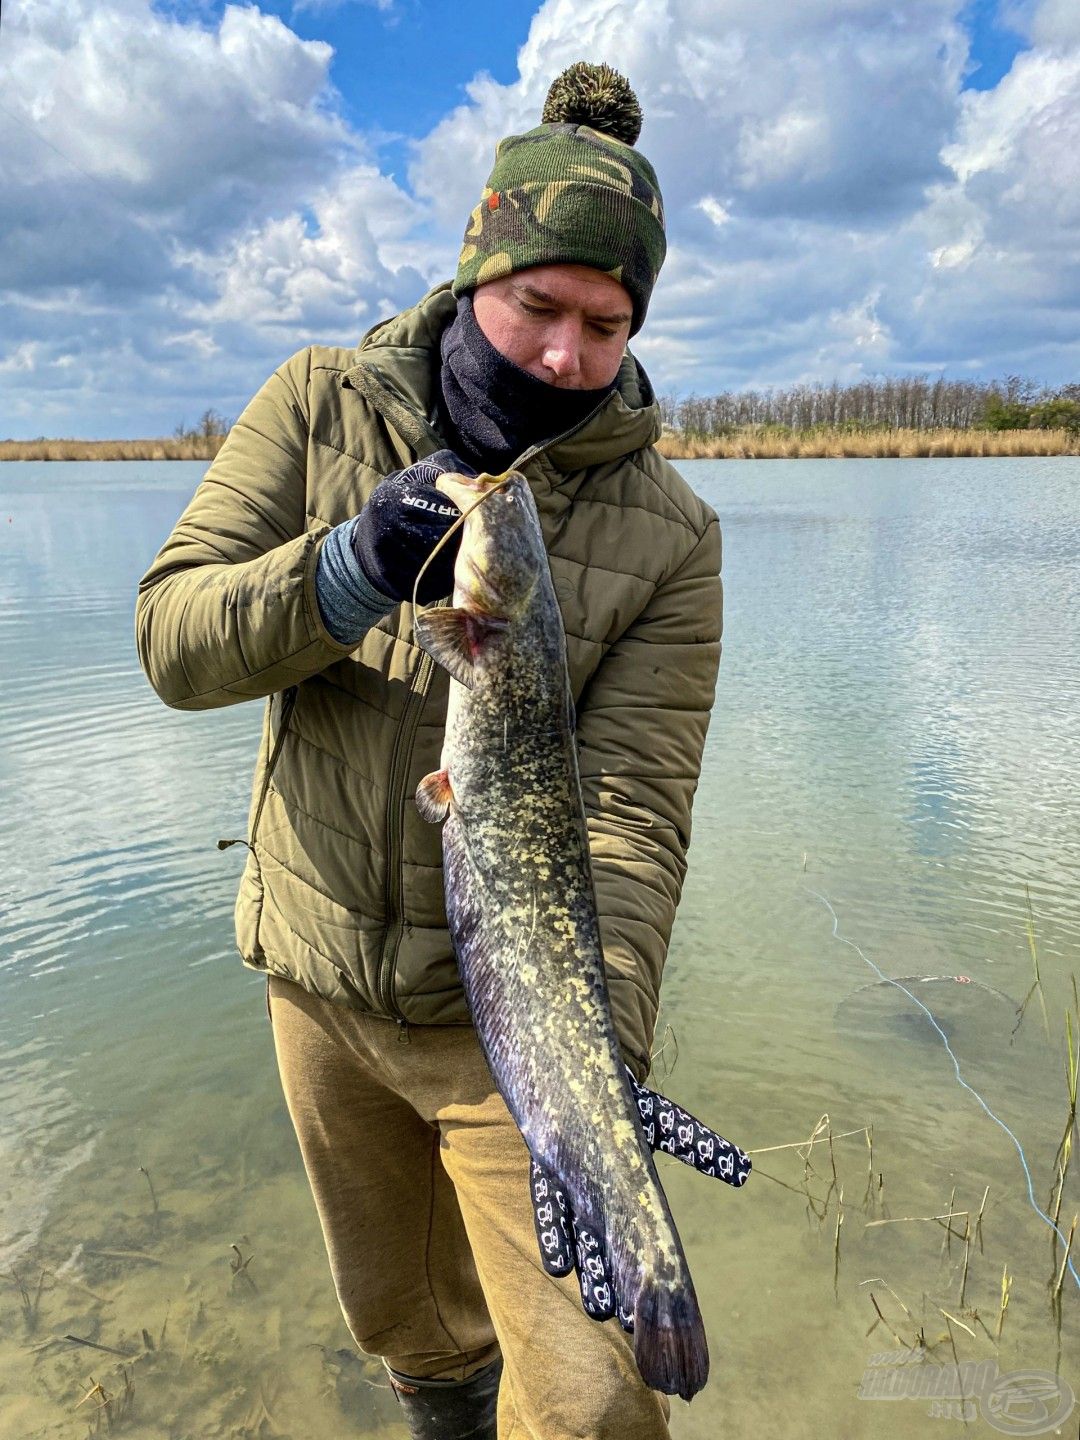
{"x":824,"y":443}
{"x":755,"y":442}
{"x":191,"y":447}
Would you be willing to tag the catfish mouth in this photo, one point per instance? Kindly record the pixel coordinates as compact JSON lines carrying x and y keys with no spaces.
{"x":474,"y":486}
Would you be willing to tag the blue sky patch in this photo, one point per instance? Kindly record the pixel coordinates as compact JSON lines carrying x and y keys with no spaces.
{"x":994,"y":45}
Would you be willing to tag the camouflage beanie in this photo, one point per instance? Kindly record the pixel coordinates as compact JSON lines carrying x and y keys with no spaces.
{"x":572,"y":191}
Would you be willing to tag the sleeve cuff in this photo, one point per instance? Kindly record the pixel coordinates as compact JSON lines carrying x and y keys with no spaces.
{"x":349,"y":604}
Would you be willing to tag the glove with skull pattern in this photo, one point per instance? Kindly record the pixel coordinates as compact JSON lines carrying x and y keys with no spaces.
{"x":566,"y":1245}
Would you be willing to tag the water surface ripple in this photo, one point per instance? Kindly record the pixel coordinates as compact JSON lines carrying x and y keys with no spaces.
{"x":897,"y":727}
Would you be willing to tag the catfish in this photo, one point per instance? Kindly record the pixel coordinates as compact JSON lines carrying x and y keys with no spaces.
{"x":522,"y":914}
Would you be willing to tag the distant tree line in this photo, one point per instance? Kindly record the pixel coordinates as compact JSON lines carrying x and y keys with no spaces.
{"x":209,"y":426}
{"x":908,"y":402}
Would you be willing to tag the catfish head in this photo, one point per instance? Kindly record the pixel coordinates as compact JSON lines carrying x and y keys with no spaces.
{"x":498,"y":567}
{"x":502,"y":552}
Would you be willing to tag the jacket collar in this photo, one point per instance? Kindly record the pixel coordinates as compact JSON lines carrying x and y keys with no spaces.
{"x":397,"y":369}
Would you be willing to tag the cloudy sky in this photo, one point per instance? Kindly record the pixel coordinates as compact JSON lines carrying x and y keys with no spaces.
{"x":190,"y":191}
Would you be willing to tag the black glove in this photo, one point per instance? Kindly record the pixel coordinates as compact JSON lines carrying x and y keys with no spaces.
{"x":402,"y":523}
{"x":565,"y":1245}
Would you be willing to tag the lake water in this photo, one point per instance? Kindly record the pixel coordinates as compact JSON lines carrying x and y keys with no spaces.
{"x":896,"y":736}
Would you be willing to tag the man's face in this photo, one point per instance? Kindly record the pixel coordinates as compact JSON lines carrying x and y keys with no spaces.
{"x":565,"y":324}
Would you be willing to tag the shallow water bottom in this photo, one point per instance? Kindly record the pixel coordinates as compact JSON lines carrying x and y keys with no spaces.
{"x":188,"y":1241}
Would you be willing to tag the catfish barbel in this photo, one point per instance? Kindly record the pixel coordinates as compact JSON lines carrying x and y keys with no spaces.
{"x":522,"y":914}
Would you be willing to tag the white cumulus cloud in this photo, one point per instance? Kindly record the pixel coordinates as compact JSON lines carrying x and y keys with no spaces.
{"x":1004,"y":233}
{"x":183,"y":205}
{"x":837,"y":203}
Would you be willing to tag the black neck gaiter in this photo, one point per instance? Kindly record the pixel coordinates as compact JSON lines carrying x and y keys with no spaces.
{"x":491,"y":408}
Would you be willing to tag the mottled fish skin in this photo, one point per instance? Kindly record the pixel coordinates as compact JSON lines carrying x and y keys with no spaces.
{"x":522,"y":915}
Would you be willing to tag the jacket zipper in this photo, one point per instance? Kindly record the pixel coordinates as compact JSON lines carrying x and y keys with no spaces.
{"x":396,"y":799}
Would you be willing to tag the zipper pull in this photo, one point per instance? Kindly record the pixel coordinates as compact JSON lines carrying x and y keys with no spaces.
{"x":403,"y":1031}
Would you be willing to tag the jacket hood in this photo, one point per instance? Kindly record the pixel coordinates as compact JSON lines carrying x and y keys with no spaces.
{"x":397,"y":367}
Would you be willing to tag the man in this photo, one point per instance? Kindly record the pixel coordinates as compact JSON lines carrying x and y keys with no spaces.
{"x":289,"y":576}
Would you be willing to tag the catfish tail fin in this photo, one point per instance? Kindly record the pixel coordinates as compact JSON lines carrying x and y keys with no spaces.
{"x":669,"y":1338}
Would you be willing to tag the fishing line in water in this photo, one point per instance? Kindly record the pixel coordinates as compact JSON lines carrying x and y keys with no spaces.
{"x":1043,"y":1216}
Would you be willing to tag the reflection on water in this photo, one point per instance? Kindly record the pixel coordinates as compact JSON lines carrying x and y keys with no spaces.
{"x":896,"y":729}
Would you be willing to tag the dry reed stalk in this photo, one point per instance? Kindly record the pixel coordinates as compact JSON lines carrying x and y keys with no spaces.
{"x":868,"y":1194}
{"x":765,"y":443}
{"x":1057,"y":1207}
{"x":1006,"y":1288}
{"x":919,"y":1336}
{"x":967,"y":1259}
{"x":955,"y":1321}
{"x":660,"y":1053}
{"x":799,"y":1144}
{"x":193,"y":448}
{"x":153,"y":1196}
{"x":1065,"y":1258}
{"x":1072,"y":1081}
{"x":884,"y":1322}
{"x":836,"y":1240}
{"x":94,"y":1345}
{"x":30,"y":1304}
{"x":946,"y":1239}
{"x":818,"y":1208}
{"x":239,"y":1266}
{"x":979,"y":1218}
{"x":956,"y":1361}
{"x":917,"y":1219}
{"x":819,"y":1128}
{"x":795,"y":1189}
{"x":96,"y":1392}
{"x":1036,"y":984}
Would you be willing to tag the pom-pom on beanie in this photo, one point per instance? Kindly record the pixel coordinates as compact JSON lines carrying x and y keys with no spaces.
{"x":572,"y":191}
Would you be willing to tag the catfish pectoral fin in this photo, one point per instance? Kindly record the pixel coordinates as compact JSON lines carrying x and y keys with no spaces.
{"x":433,"y":796}
{"x":454,"y":637}
{"x":444,"y":635}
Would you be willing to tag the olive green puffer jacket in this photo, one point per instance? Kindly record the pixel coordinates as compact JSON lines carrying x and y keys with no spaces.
{"x":343,"y":886}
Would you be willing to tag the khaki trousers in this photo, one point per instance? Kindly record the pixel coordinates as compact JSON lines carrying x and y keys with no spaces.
{"x":421,"y":1180}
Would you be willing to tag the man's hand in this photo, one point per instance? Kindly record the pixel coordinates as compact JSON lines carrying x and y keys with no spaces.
{"x":566,"y":1245}
{"x":402,"y":523}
